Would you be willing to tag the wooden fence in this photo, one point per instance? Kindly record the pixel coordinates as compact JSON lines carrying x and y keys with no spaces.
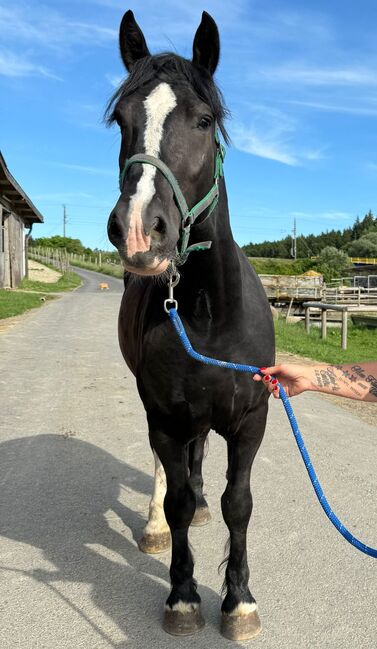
{"x":354,"y":295}
{"x":57,"y":257}
{"x":62,"y":259}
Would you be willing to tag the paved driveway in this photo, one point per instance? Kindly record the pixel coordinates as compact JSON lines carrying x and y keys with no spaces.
{"x":75,"y":478}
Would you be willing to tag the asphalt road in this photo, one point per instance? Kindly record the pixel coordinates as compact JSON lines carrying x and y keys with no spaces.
{"x":75,"y":479}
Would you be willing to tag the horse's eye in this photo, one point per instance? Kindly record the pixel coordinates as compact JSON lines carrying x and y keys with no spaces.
{"x":205,"y":123}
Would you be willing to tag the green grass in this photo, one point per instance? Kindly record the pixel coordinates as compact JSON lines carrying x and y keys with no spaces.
{"x":362,"y":342}
{"x":265,"y":266}
{"x":67,"y":282}
{"x":14,"y":303}
{"x":29,"y":294}
{"x":114,"y":270}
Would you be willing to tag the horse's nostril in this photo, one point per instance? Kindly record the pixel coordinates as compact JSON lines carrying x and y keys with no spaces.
{"x":114,"y":230}
{"x":158,"y":225}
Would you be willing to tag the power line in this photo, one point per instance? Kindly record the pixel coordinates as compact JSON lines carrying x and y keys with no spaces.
{"x":64,"y":219}
{"x":294,"y":241}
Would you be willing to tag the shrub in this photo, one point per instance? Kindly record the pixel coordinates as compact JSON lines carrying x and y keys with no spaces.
{"x":332,"y":262}
{"x":366,"y":246}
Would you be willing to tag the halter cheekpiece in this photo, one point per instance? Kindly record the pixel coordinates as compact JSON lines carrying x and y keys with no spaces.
{"x":188,"y":216}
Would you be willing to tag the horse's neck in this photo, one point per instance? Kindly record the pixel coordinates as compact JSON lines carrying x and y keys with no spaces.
{"x":215,"y":275}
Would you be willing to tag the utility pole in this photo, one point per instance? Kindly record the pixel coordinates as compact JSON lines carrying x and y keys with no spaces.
{"x":294,"y":241}
{"x":64,"y":219}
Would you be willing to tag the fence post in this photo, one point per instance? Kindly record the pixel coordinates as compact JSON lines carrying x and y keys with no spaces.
{"x":307,"y":319}
{"x":324,"y":323}
{"x":344,"y":327}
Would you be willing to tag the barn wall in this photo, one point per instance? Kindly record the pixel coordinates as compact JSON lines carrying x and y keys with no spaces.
{"x":12,"y":249}
{"x":5,"y":274}
{"x":16,"y":251}
{"x":2,"y":256}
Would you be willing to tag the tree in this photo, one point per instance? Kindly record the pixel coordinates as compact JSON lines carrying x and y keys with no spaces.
{"x":71,"y":245}
{"x":366,"y":246}
{"x":332,"y":262}
{"x":311,"y":245}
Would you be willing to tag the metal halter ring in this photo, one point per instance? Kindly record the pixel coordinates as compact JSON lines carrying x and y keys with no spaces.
{"x":174,"y":278}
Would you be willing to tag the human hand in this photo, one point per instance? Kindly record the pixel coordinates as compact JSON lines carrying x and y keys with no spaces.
{"x":293,"y":378}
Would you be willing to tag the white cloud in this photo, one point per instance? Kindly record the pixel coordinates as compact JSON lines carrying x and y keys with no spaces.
{"x":114,"y":79}
{"x":92,"y":171}
{"x":320,"y":76}
{"x":49,"y":28}
{"x":362,"y":111}
{"x":62,"y":197}
{"x":262,"y":145}
{"x":331,"y":215}
{"x":17,"y":66}
{"x":270,"y":133}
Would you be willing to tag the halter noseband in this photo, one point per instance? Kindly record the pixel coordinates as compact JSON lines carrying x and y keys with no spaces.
{"x":189,"y":217}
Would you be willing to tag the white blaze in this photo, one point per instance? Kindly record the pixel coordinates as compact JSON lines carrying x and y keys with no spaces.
{"x":158,"y":105}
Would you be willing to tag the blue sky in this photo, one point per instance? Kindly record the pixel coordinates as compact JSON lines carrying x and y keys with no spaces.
{"x":300,"y":79}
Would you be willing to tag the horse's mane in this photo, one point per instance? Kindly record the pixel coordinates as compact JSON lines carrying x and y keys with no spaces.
{"x":173,"y":68}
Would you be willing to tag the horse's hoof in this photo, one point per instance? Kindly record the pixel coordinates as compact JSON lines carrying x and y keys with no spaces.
{"x":202,"y":516}
{"x":240,"y":627}
{"x":183,"y":623}
{"x":155,"y":543}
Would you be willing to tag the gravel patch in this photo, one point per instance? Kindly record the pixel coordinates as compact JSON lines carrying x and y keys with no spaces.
{"x":40,"y":273}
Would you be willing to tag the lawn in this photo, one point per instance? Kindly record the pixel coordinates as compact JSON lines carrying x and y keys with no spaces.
{"x":362,"y":343}
{"x":67,"y":282}
{"x":265,"y":266}
{"x":114,"y":270}
{"x":31,"y":294}
{"x":13,"y":302}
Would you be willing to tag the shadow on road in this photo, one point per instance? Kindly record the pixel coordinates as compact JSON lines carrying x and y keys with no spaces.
{"x":61,"y":495}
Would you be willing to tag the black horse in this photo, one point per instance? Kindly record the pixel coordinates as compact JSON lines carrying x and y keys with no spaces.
{"x":168,"y":111}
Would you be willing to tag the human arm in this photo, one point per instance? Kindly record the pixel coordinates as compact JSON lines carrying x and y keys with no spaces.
{"x":354,"y":381}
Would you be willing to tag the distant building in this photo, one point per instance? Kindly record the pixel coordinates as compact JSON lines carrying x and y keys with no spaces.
{"x":17,"y":213}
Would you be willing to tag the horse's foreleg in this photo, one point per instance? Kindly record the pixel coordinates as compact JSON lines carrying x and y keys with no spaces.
{"x":156,"y":534}
{"x":240,"y":619}
{"x":196,"y":452}
{"x":182,"y":612}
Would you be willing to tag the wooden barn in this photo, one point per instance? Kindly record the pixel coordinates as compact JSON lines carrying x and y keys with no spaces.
{"x":17,"y":216}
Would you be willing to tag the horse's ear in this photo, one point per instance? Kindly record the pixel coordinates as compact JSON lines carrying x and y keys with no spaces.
{"x":131,"y":41}
{"x":206,"y":47}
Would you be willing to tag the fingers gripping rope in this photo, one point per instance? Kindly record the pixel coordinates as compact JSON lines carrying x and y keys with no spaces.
{"x":175,"y":319}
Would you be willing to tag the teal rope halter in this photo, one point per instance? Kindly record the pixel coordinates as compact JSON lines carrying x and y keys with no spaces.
{"x":188,"y":216}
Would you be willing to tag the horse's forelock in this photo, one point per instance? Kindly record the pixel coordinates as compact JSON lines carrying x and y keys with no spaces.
{"x":170,"y":67}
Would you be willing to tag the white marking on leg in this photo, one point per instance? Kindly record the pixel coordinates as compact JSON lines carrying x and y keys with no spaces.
{"x":157,"y":522}
{"x":158,"y":105}
{"x":244,"y":608}
{"x":183,"y":607}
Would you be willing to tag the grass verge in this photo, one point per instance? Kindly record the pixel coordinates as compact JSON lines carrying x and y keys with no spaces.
{"x":67,"y":282}
{"x":29,"y":293}
{"x":114,"y":270}
{"x":362,"y":343}
{"x":14,"y":303}
{"x":264,"y":266}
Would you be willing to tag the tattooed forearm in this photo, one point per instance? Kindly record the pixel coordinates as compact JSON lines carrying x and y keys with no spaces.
{"x":353,"y":381}
{"x":326,"y":378}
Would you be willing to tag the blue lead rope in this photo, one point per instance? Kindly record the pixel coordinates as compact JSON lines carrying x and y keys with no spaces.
{"x":177,"y":322}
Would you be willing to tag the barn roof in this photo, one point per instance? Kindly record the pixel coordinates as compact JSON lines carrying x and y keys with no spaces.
{"x":14,"y":194}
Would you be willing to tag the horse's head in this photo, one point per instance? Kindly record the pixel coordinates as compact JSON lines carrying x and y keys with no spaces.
{"x":168,"y":109}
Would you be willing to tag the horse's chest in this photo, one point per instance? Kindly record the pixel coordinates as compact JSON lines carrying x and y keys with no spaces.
{"x":192,"y":398}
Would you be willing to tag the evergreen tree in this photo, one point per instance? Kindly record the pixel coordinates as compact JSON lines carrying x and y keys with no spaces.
{"x":311,"y":245}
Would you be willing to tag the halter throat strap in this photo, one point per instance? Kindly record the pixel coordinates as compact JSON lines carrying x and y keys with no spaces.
{"x":188,"y":216}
